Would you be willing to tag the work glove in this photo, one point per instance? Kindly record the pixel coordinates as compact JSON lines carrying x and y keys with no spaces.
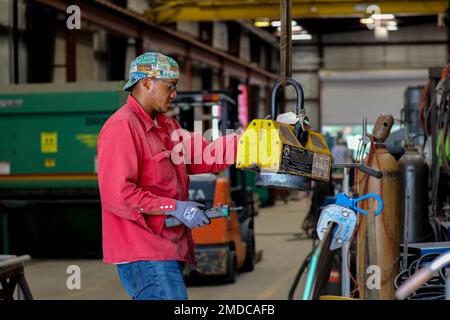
{"x":189,"y":213}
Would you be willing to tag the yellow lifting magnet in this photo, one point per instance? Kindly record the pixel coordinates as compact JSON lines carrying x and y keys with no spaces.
{"x":285,"y":155}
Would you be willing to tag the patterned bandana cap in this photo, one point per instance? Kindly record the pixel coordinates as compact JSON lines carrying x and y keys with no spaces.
{"x":154,"y":65}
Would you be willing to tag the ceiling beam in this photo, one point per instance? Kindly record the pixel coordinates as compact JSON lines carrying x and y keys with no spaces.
{"x":232,"y":10}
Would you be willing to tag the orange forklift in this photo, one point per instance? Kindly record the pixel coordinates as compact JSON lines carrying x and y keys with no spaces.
{"x":228,"y":243}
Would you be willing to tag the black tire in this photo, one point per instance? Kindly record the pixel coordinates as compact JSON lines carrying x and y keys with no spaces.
{"x":250,"y":255}
{"x":230,"y":277}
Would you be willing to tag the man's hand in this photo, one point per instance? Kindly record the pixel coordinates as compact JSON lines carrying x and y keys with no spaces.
{"x":189,"y":214}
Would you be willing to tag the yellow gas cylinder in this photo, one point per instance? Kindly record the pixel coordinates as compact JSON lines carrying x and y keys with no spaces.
{"x":378,"y":245}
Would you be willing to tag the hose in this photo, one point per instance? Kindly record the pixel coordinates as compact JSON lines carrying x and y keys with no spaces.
{"x":444,"y":140}
{"x":433,"y":289}
{"x":439,"y":234}
{"x":299,"y":274}
{"x":442,"y":122}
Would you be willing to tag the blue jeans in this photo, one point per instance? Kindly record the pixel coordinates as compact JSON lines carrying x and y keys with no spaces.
{"x":153,"y":280}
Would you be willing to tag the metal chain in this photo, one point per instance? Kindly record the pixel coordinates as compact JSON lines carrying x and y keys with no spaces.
{"x":285,"y":41}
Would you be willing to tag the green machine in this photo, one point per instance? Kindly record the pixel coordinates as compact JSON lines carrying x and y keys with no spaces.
{"x":49,"y":199}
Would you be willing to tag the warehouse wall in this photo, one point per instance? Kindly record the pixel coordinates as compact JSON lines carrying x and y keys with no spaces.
{"x":244,"y":48}
{"x":59,"y":69}
{"x":191,"y":28}
{"x":220,"y":36}
{"x":220,"y":40}
{"x":6,"y":44}
{"x":5,"y":12}
{"x":196,"y":79}
{"x":263,"y":58}
{"x":93,"y":55}
{"x":305,"y":65}
{"x":91,"y":50}
{"x":5,"y":70}
{"x":100,"y":51}
{"x":137,"y":5}
{"x":85,"y":57}
{"x":350,"y":54}
{"x":5,"y":48}
{"x":262,"y":111}
{"x":403,"y":56}
{"x":387,"y":56}
{"x":347,"y":96}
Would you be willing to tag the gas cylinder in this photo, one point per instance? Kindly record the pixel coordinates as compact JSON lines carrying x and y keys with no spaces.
{"x":378,"y":244}
{"x":414,"y":195}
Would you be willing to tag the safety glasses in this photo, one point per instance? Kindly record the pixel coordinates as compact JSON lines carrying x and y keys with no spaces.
{"x":171,"y":85}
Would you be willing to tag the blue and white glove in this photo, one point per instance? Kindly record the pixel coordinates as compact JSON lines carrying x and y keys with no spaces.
{"x":189,"y":214}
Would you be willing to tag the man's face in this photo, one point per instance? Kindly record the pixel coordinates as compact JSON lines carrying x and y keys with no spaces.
{"x":161,"y":93}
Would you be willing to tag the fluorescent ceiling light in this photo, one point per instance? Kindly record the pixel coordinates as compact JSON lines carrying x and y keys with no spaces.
{"x":294,"y":29}
{"x":379,"y":16}
{"x":392,"y":23}
{"x":306,"y":36}
{"x":381,"y":33}
{"x":277,"y":23}
{"x":367,"y":20}
{"x":262,"y":24}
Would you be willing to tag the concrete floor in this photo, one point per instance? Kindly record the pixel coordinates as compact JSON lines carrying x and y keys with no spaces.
{"x":278,"y":234}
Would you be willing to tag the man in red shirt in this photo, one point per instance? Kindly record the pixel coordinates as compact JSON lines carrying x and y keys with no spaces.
{"x":141,"y":184}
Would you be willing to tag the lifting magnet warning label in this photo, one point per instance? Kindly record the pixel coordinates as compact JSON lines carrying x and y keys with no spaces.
{"x":321,"y":166}
{"x":305,"y":163}
{"x":296,"y":160}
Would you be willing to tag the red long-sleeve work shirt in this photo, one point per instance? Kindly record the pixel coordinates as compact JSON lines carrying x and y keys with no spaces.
{"x":138,"y":173}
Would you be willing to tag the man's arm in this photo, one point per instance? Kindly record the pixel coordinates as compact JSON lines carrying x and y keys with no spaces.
{"x":211,"y":157}
{"x":119,"y":153}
